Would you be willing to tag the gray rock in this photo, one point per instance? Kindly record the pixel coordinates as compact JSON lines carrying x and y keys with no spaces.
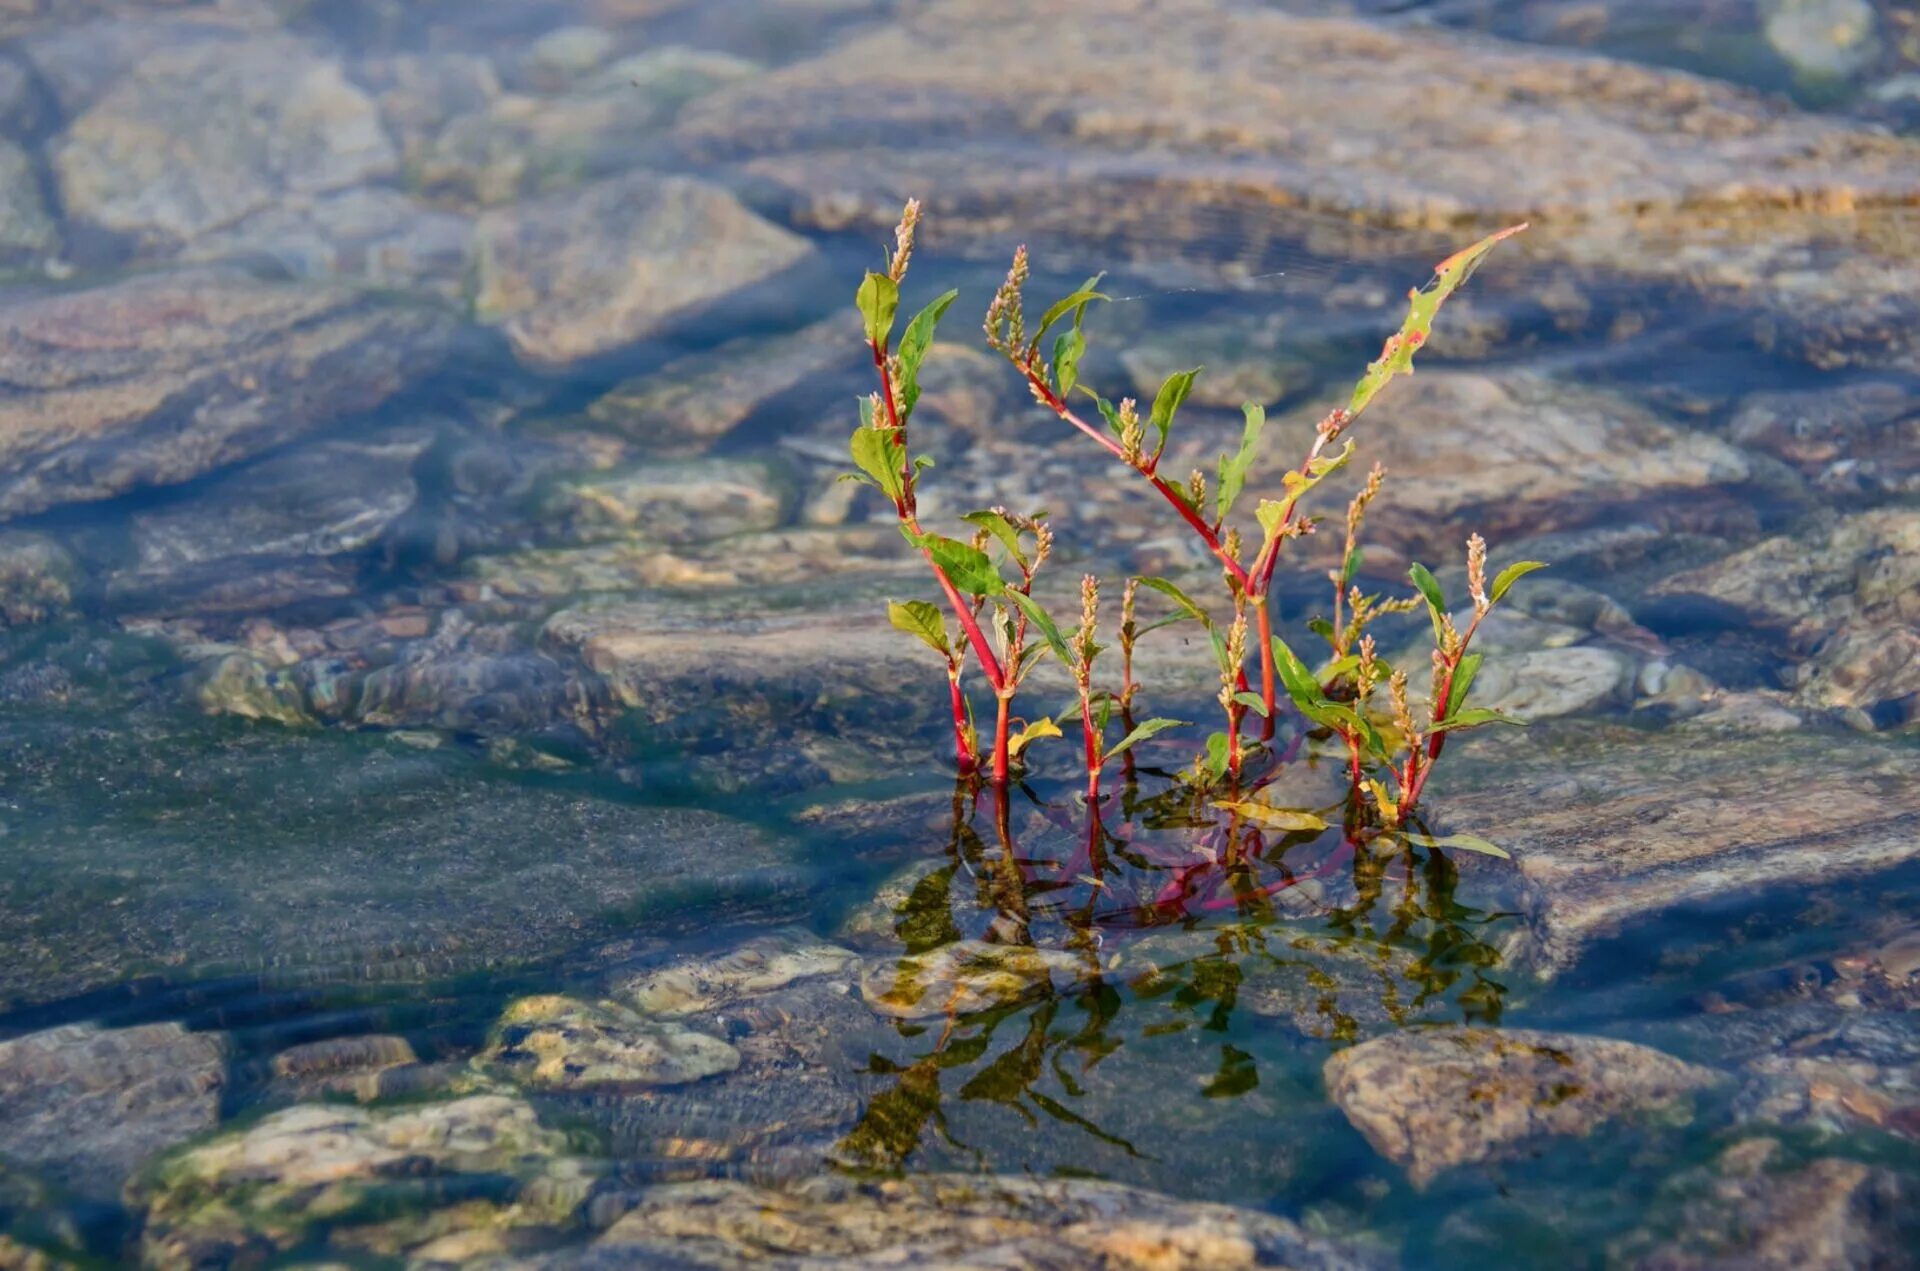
{"x":959,"y":1221}
{"x":198,"y":136}
{"x":1751,"y":1209}
{"x":697,"y":985}
{"x":325,"y":499}
{"x":965,"y":976}
{"x":37,"y":578}
{"x":1827,"y":38}
{"x":1858,"y":438}
{"x":374,"y":1182}
{"x":1434,"y":1099}
{"x":571,"y":277}
{"x":87,"y":1106}
{"x":674,"y":503}
{"x":373,"y":236}
{"x":27,"y":230}
{"x":694,"y":400}
{"x":565,"y":1044}
{"x":158,"y":379}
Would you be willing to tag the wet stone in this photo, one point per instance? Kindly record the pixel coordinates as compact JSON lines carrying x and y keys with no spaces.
{"x":1862,"y":438}
{"x":965,"y":976}
{"x":161,"y":378}
{"x":87,"y":1106}
{"x":37,"y":578}
{"x":341,"y":1065}
{"x":374,"y":236}
{"x":589,"y":272}
{"x":677,"y":503}
{"x":697,"y":985}
{"x":27,"y":231}
{"x":953,"y":1220}
{"x":1434,"y":1099}
{"x":202,"y":134}
{"x":564,"y":1044}
{"x":359,"y":1182}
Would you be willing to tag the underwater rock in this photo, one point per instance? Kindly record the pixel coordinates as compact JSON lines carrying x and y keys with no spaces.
{"x":1518,"y":454}
{"x":86,"y":1105}
{"x":585,"y":273}
{"x":960,"y":1221}
{"x":964,"y":976}
{"x":366,"y":1183}
{"x":774,"y":558}
{"x":1861,"y":438}
{"x":1546,"y":683}
{"x":355,"y":1066}
{"x":1752,"y":1209}
{"x":1845,"y":591}
{"x":200,"y":134}
{"x":760,"y":966}
{"x":27,"y":231}
{"x":563,"y":1043}
{"x":331,"y":498}
{"x":160,"y":378}
{"x":693,"y":501}
{"x":373,"y":236}
{"x":1611,"y":825}
{"x":692,"y":401}
{"x":37,"y":578}
{"x":1830,"y":39}
{"x":1436,"y":1098}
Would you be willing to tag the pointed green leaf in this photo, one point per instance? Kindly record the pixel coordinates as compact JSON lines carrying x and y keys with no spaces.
{"x":1167,"y":401}
{"x":1322,"y":628}
{"x":1041,"y":619}
{"x":1512,"y":574}
{"x":1462,"y":684}
{"x":921,"y":621}
{"x":877,"y":300}
{"x":1233,"y":471}
{"x":1294,"y":676}
{"x":1042,"y":727}
{"x":914,"y":344}
{"x":1460,"y":843}
{"x":1396,"y":358}
{"x":1180,"y":598}
{"x":1219,"y":750}
{"x":877,"y":454}
{"x":1429,"y":589}
{"x":1068,"y":348}
{"x":1253,"y":702}
{"x":1141,"y":733}
{"x":1351,"y":565}
{"x":1287,"y":820}
{"x":1074,"y":304}
{"x":965,"y":565}
{"x":1474,"y":717}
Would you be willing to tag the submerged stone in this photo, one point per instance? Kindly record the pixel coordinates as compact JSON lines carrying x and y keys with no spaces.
{"x":956,"y":1221}
{"x":760,"y":966}
{"x":87,"y":1106}
{"x":675,"y":503}
{"x":564,"y":1044}
{"x":965,"y":976}
{"x":1434,"y":1099}
{"x":587,"y":273}
{"x":161,"y":378}
{"x":363,"y":1183}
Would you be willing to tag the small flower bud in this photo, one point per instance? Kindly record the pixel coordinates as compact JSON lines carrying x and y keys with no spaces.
{"x":903,"y":240}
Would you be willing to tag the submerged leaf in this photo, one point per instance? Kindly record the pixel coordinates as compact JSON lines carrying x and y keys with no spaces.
{"x":1141,"y":733}
{"x":1289,"y":820}
{"x":1460,"y":843}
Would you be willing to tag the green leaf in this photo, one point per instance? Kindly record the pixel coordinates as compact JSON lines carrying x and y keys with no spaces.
{"x":913,"y":350}
{"x":922,"y":621}
{"x":1141,"y":733}
{"x":1474,"y":718}
{"x":877,"y":300}
{"x":877,"y":454}
{"x":1429,"y":589}
{"x":1068,"y":347}
{"x":1351,"y":565}
{"x":1289,"y":820}
{"x":1338,"y":667}
{"x":1167,"y":401}
{"x":1273,"y":514}
{"x":1219,"y":750}
{"x":1107,"y":410}
{"x":1294,"y":676}
{"x":965,"y":565}
{"x":1040,"y":618}
{"x":1180,"y":598}
{"x":1462,"y":684}
{"x":1396,"y":358}
{"x":1512,"y":574}
{"x":1233,"y":472}
{"x":1322,"y":628}
{"x":1253,"y":702}
{"x":1043,"y":727}
{"x":1103,"y":711}
{"x":1001,"y":528}
{"x":1075,"y":304}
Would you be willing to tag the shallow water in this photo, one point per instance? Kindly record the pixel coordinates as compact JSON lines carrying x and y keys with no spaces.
{"x":366,"y":702}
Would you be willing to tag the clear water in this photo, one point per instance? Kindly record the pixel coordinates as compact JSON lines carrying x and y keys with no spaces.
{"x":289,"y":885}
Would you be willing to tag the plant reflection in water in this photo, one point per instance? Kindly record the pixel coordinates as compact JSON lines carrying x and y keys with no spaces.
{"x":1033,"y":957}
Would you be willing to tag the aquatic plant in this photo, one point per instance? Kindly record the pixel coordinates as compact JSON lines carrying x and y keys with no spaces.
{"x":1390,"y":758}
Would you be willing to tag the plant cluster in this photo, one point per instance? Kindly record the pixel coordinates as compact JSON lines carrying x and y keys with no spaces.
{"x":998,"y":626}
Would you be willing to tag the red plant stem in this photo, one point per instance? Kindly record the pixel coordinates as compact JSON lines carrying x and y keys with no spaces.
{"x":1442,"y":690}
{"x":1263,"y":628}
{"x":1091,"y":746}
{"x":966,"y":756}
{"x":1003,"y":700}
